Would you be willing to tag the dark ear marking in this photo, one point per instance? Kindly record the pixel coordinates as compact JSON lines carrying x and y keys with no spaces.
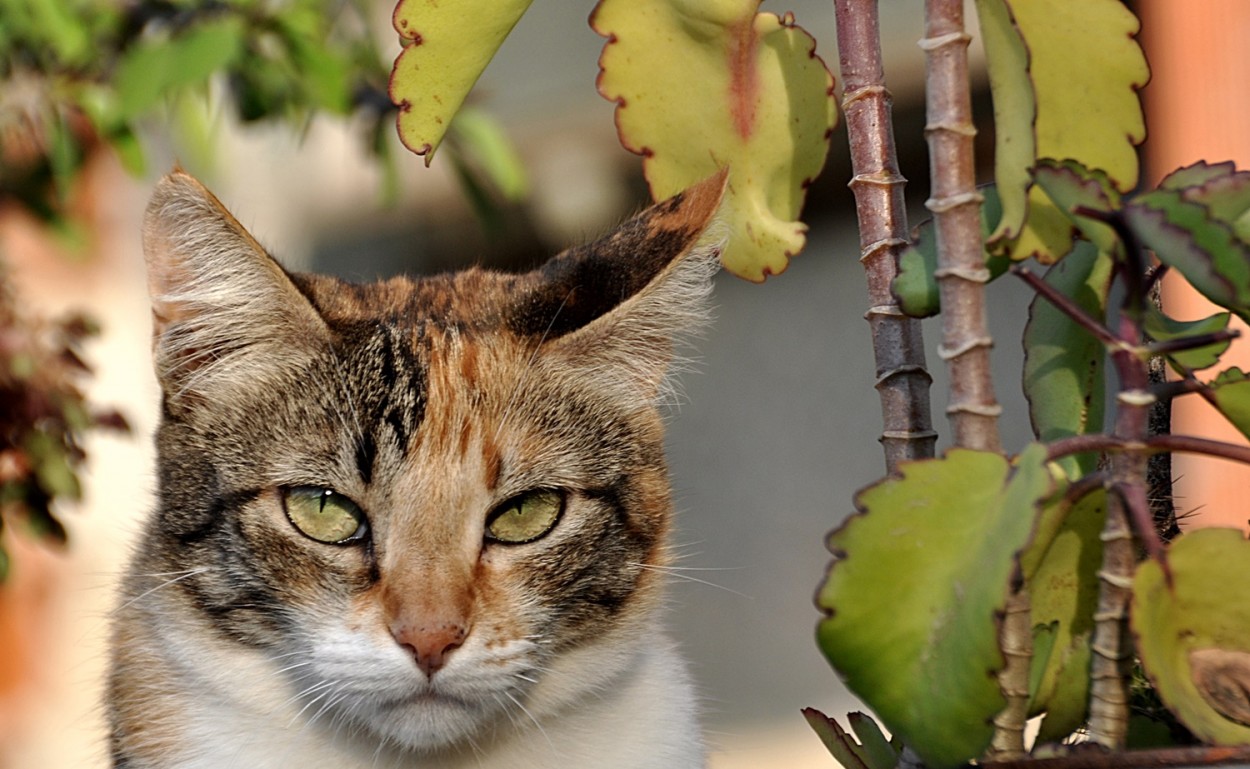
{"x":587,"y":282}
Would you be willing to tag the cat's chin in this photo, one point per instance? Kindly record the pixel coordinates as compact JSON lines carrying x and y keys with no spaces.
{"x":429,"y":721}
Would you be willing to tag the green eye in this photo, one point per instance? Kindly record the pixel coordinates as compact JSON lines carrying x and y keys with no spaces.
{"x":525,"y":518}
{"x":324,"y":514}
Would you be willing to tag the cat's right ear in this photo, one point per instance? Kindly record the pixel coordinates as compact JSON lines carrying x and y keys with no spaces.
{"x":226,"y":317}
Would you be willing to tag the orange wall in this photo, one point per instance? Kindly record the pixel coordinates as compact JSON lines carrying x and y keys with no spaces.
{"x":1196,"y":108}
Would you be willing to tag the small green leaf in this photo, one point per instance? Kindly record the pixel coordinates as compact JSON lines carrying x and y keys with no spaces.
{"x":701,"y":86}
{"x":1231,"y":390}
{"x":1223,"y":189}
{"x":1064,"y":593}
{"x":881,"y":753}
{"x":481,"y":141}
{"x":52,"y":467}
{"x":324,"y":73}
{"x":911,"y":599}
{"x":155,"y":68}
{"x":1192,"y":627}
{"x":1196,"y":175}
{"x":1063,"y":363}
{"x":916,"y":286}
{"x":447,"y":46}
{"x":1183,"y":235}
{"x":849,"y":753}
{"x":1070,"y":187}
{"x":1162,"y":328}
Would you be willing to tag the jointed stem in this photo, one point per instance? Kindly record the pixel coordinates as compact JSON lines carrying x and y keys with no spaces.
{"x":902,"y":379}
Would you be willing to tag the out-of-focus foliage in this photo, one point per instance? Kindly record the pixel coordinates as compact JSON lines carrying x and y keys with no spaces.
{"x":77,"y":75}
{"x":43,"y":416}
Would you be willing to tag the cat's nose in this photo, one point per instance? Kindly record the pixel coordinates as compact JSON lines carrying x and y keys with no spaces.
{"x":430,"y":644}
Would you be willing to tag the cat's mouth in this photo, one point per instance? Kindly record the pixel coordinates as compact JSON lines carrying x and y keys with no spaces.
{"x":430,"y":698}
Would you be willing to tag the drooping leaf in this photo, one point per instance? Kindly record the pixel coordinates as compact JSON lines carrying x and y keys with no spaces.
{"x":916,"y":286}
{"x":1063,"y":587}
{"x":1193,"y":632}
{"x":1063,"y":362}
{"x":1083,"y":68}
{"x":1015,"y":111}
{"x":1162,"y":328}
{"x":1072,"y":187}
{"x":751,"y":96}
{"x":913,"y":593}
{"x":1183,"y":234}
{"x":1231,"y":390}
{"x":152,"y":69}
{"x":447,"y":47}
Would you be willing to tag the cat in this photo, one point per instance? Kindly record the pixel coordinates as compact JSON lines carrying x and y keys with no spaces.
{"x":413,"y":523}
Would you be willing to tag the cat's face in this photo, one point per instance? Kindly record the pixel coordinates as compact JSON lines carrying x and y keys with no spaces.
{"x":429,"y":506}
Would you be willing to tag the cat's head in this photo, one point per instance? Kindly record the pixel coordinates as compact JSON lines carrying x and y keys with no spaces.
{"x":426,"y":502}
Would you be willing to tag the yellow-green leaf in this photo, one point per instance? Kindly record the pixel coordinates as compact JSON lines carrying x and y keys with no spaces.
{"x":447,"y":45}
{"x":1193,"y":632}
{"x":708,"y":84}
{"x":913,"y":597}
{"x":1083,"y":67}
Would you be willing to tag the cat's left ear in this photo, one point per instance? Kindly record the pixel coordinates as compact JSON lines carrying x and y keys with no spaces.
{"x":618,"y":304}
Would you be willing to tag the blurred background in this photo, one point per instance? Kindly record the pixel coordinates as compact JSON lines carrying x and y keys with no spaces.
{"x":777,"y":429}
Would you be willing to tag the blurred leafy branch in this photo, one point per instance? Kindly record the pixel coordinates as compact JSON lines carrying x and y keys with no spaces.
{"x":81,"y":74}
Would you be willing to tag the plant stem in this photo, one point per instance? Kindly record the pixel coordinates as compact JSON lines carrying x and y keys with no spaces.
{"x":955,"y":203}
{"x":1111,"y":646}
{"x":961,"y":274}
{"x":1079,"y":444}
{"x":898,"y":346}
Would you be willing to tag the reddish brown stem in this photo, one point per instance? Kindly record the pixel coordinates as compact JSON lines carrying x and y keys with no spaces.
{"x":955,"y":203}
{"x":902,"y":377}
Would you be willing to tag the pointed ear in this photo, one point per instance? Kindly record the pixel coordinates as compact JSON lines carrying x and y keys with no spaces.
{"x":225,"y":314}
{"x":618,"y":304}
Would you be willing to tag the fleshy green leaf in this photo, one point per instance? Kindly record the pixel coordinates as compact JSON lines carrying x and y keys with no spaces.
{"x":913,"y":593}
{"x":1231,"y":390}
{"x":1082,"y":66}
{"x":448,"y":45}
{"x":1071,"y":186}
{"x":751,"y":96}
{"x":916,"y":286}
{"x":152,"y":69}
{"x":1162,"y":328}
{"x":1205,"y":250}
{"x":1193,"y":632}
{"x":1064,"y":363}
{"x":1064,"y":592}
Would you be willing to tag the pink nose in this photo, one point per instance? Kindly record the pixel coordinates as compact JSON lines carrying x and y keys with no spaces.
{"x":431,"y":644}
